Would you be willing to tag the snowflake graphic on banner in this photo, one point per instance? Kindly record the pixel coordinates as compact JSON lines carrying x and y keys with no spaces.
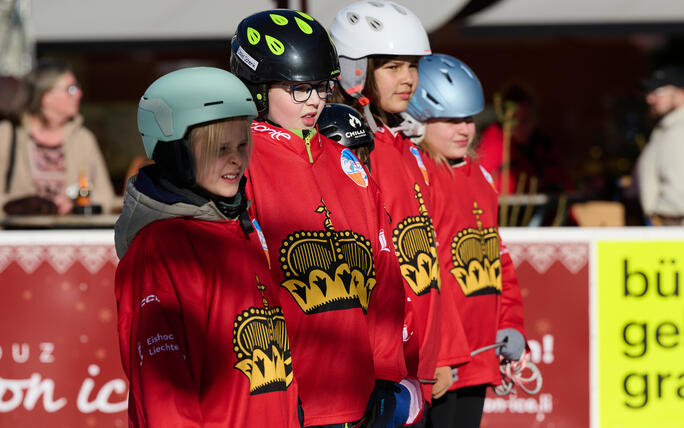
{"x":5,"y":257}
{"x":541,"y":256}
{"x":94,"y":257}
{"x":29,"y":258}
{"x":61,"y":258}
{"x":574,"y":256}
{"x":517,"y":252}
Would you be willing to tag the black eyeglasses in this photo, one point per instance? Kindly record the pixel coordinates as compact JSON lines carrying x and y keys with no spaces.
{"x":302,"y":91}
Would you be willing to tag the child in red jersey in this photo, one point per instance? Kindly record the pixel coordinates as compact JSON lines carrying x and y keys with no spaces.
{"x":379,"y":46}
{"x":324,"y":223}
{"x":202,"y":335}
{"x":486,"y":294}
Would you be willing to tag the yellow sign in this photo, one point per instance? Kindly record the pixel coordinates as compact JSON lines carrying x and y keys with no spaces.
{"x":641,"y":334}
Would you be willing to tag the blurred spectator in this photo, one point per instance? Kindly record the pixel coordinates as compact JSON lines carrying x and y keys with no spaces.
{"x":531,"y":151}
{"x":660,"y":170}
{"x":49,"y":150}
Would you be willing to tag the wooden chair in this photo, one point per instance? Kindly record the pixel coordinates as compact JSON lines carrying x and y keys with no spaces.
{"x":598,"y":214}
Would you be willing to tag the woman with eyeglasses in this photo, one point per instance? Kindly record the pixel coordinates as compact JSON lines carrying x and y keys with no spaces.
{"x":325,"y":226}
{"x":51,"y":149}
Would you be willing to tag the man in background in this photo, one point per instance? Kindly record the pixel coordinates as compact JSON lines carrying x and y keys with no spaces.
{"x":660,"y":167}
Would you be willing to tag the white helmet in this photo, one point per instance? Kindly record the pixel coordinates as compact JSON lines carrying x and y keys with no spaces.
{"x":369,"y":28}
{"x":378,"y":28}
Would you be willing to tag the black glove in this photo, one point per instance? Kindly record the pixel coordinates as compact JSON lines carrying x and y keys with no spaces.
{"x":382,"y":404}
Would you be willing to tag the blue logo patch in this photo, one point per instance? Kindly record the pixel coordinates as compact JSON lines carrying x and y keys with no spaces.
{"x":353,"y":168}
{"x":262,"y":239}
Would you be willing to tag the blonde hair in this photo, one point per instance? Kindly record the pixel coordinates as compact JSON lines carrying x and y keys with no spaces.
{"x":436,"y":156}
{"x":209,"y":137}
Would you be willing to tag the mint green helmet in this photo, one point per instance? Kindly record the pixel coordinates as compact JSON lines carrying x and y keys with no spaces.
{"x":190,"y":96}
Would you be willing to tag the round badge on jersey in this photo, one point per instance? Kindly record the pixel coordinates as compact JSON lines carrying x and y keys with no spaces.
{"x":353,"y":168}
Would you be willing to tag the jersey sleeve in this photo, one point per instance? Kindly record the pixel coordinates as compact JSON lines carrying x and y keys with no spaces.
{"x":161,"y":358}
{"x":386,"y":306}
{"x":511,"y":298}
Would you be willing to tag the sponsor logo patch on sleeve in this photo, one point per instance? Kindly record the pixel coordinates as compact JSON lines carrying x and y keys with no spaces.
{"x":353,"y":168}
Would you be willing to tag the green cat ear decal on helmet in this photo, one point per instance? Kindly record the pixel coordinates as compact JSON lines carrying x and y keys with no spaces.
{"x":253,"y":36}
{"x":278,"y":19}
{"x":306,"y":28}
{"x":275,"y":45}
{"x":305,"y":16}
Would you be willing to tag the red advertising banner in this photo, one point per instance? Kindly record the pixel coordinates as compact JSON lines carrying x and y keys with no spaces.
{"x":554,"y":280}
{"x":59,"y":358}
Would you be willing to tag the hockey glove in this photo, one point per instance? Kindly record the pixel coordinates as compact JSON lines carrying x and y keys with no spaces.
{"x":514,"y":344}
{"x":388,"y":405}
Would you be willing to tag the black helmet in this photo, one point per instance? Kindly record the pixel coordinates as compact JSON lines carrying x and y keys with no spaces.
{"x":343,"y":124}
{"x":281,"y":45}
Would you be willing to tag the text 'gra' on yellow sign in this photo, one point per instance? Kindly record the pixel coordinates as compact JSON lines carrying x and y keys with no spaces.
{"x":641,"y":334}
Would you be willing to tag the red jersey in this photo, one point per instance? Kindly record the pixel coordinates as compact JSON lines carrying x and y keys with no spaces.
{"x":486,"y":292}
{"x":340,"y":285}
{"x":405,"y":190}
{"x":203,"y":339}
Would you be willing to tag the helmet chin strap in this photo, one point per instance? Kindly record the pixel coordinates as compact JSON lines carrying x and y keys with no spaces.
{"x":235,"y":207}
{"x":367,"y":114}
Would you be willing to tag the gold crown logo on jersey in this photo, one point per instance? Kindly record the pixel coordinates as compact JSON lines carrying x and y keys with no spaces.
{"x":414,"y":240}
{"x":328,"y":270}
{"x":262,"y":347}
{"x":477,"y":259}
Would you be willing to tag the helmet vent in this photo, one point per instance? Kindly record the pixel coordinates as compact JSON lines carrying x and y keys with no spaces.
{"x":431,"y":99}
{"x":376,"y":3}
{"x":353,"y":18}
{"x":446,"y":75}
{"x":446,"y":62}
{"x":399,"y":9}
{"x":374,"y":23}
{"x":213,"y":103}
{"x":467,"y":71}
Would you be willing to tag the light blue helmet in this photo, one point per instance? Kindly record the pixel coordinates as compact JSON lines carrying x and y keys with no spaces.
{"x":187,"y":97}
{"x":446,"y":88}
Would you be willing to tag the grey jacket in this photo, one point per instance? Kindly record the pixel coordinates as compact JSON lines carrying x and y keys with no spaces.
{"x":145,"y":202}
{"x":660,"y":169}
